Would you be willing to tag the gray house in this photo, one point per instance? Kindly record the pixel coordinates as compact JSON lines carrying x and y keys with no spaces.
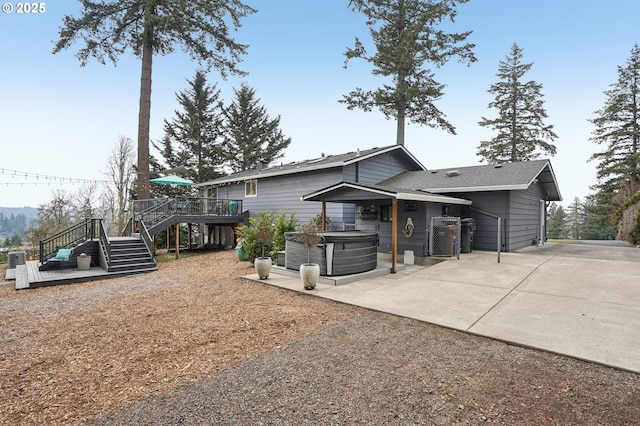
{"x":518,"y":193}
{"x":280,"y":187}
{"x":389,"y":192}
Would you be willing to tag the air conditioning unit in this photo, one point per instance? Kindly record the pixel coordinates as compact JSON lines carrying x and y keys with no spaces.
{"x":348,"y":226}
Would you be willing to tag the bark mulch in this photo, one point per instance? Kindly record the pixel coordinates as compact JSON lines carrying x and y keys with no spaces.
{"x":194,"y":343}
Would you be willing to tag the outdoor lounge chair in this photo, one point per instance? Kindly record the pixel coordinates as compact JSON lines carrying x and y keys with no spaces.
{"x":63,"y":255}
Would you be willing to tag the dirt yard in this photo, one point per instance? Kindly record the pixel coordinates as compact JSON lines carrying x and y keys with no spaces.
{"x":194,"y":343}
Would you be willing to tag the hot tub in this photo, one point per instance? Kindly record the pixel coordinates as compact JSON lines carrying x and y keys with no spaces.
{"x":339,"y":253}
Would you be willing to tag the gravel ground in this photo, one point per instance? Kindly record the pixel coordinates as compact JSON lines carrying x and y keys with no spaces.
{"x":194,"y":343}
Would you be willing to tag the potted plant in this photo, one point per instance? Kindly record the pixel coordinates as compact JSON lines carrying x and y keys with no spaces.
{"x":263,"y":228}
{"x":309,"y":272}
{"x":84,"y":261}
{"x":240,"y":251}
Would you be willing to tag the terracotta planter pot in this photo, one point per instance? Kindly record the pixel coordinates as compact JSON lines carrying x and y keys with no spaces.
{"x":309,"y":274}
{"x":263,"y":267}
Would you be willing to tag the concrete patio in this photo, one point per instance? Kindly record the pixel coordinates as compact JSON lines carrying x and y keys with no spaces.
{"x":572,"y":300}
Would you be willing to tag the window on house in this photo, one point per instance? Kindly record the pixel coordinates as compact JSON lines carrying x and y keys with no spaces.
{"x":212,"y":192}
{"x":385,"y":213}
{"x":251,"y":188}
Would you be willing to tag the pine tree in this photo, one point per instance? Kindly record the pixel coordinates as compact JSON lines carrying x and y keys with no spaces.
{"x":251,"y":137}
{"x":521,"y":133}
{"x":111,"y":27}
{"x":556,"y":222}
{"x":575,"y":219}
{"x":193,"y":139}
{"x":407,"y":36}
{"x":618,"y":128}
{"x":598,"y":218}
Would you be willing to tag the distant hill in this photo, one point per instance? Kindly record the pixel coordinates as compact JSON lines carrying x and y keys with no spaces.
{"x":29,"y":213}
{"x":15,"y":220}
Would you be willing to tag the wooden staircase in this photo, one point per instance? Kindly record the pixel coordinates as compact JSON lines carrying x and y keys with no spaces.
{"x":130,"y":254}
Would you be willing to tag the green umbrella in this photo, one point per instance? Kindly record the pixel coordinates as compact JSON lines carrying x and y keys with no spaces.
{"x":172,"y":180}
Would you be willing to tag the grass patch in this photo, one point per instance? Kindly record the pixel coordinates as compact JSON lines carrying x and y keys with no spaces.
{"x":165,"y":256}
{"x":169,"y":256}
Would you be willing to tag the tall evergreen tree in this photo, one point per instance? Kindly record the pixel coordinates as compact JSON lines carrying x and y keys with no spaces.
{"x":193,"y":139}
{"x":251,"y":137}
{"x":108,"y":28}
{"x":618,"y":128}
{"x":556,"y":222}
{"x":521,"y":133}
{"x":407,"y":36}
{"x":598,"y":218}
{"x":576,"y":219}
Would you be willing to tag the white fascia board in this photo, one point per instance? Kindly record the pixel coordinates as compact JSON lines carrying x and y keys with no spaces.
{"x":478,"y":188}
{"x":432,"y":198}
{"x":553,"y":176}
{"x":259,"y":175}
{"x":389,"y":194}
{"x":391,"y":148}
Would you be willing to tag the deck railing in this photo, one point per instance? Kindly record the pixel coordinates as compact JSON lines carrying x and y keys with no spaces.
{"x":68,"y":238}
{"x":144,"y":235}
{"x":106,"y":245}
{"x":156,"y":210}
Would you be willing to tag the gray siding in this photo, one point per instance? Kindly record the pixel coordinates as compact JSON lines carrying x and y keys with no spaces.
{"x":523,"y":225}
{"x":418,"y":241}
{"x":376,"y":169}
{"x":494,"y":203}
{"x":282,"y":194}
{"x":519,"y":210}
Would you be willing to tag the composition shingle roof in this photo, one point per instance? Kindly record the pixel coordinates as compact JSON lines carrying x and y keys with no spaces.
{"x":319,"y":163}
{"x":507,"y":176}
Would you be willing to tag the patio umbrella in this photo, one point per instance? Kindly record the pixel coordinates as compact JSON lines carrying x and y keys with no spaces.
{"x":172,"y":180}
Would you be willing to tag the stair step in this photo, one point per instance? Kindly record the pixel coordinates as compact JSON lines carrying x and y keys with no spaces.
{"x":130,"y":255}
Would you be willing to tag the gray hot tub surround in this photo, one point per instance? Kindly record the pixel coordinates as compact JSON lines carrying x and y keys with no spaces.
{"x":339,"y":253}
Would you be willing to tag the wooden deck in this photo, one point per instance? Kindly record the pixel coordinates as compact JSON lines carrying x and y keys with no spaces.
{"x":28,"y":275}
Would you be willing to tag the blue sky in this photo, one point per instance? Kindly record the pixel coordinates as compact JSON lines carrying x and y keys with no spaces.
{"x":60,"y":119}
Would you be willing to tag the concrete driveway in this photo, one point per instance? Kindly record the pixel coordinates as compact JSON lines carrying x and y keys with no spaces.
{"x":580,"y":300}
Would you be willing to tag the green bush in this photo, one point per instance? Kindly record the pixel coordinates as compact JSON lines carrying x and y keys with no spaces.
{"x":283,"y":224}
{"x":268,"y":228}
{"x":257,"y":237}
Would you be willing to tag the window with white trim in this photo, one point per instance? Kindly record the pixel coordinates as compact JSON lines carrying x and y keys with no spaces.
{"x":251,"y":188}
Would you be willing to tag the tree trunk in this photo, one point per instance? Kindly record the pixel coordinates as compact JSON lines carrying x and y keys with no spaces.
{"x":400,"y":128}
{"x":144,"y":115}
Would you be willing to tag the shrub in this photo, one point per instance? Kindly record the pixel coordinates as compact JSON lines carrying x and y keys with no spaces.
{"x":283,"y":224}
{"x":257,"y":237}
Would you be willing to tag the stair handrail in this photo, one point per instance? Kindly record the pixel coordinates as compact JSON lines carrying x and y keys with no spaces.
{"x":67,"y":238}
{"x":150,"y":215}
{"x":128,"y":229}
{"x":146,"y":237}
{"x":104,"y":242}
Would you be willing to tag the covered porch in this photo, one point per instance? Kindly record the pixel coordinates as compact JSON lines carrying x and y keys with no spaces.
{"x":399,"y":217}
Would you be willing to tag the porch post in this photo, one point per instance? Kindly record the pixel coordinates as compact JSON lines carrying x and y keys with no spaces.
{"x":177,"y":241}
{"x":394,"y":234}
{"x":324,"y":216}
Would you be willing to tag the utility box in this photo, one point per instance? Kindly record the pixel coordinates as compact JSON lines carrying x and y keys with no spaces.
{"x":16,"y":258}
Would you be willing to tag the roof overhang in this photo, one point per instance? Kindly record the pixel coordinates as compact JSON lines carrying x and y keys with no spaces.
{"x":347,"y":192}
{"x":544,"y":177}
{"x":306,"y":167}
